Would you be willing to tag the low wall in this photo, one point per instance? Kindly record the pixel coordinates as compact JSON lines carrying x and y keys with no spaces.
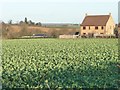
{"x":68,"y":36}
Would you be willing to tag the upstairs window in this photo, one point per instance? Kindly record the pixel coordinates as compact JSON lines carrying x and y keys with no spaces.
{"x":96,"y":27}
{"x":102,"y":27}
{"x":84,"y":28}
{"x":89,"y":27}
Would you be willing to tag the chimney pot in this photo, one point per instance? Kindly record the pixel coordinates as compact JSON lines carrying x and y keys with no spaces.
{"x":109,"y":13}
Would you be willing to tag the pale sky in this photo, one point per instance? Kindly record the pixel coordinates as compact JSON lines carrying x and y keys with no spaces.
{"x":119,"y":12}
{"x":56,"y":11}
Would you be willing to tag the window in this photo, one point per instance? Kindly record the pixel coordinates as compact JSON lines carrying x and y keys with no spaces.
{"x":96,"y":27}
{"x":89,"y":27}
{"x":84,"y":33}
{"x":84,"y":28}
{"x":102,"y":27}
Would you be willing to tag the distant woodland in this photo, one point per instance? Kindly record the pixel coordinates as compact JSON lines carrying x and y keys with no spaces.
{"x":28,"y":28}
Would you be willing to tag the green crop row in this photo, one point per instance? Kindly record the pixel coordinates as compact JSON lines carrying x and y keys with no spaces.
{"x":60,"y":63}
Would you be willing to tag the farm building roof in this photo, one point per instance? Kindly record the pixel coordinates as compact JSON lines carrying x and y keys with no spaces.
{"x":95,"y":20}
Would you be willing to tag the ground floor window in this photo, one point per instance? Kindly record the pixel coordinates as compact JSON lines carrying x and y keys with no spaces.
{"x":96,"y":27}
{"x":84,"y":33}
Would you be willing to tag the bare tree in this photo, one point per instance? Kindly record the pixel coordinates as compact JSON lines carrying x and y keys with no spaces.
{"x":10,"y":22}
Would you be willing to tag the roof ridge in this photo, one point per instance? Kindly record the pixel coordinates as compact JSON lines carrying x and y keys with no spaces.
{"x":98,"y":15}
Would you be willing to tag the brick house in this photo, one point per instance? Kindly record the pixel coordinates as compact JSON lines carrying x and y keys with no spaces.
{"x":97,"y":24}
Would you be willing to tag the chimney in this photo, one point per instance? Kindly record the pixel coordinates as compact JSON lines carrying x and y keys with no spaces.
{"x":86,"y":14}
{"x":109,"y":13}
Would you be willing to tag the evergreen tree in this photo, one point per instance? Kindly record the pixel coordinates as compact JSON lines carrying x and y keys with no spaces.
{"x":26,"y":20}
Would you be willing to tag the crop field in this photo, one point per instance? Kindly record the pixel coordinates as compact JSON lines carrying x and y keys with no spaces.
{"x":60,"y":63}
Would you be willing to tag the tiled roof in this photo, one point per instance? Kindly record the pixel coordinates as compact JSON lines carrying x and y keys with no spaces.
{"x":95,"y":20}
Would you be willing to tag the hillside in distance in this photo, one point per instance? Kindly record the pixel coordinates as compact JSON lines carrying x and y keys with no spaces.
{"x":52,"y":30}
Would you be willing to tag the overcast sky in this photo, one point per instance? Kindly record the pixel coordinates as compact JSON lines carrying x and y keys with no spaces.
{"x":119,"y":12}
{"x":56,"y":11}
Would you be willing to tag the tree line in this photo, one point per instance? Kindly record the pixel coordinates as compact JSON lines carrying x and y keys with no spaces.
{"x":8,"y":31}
{"x":26,"y":21}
